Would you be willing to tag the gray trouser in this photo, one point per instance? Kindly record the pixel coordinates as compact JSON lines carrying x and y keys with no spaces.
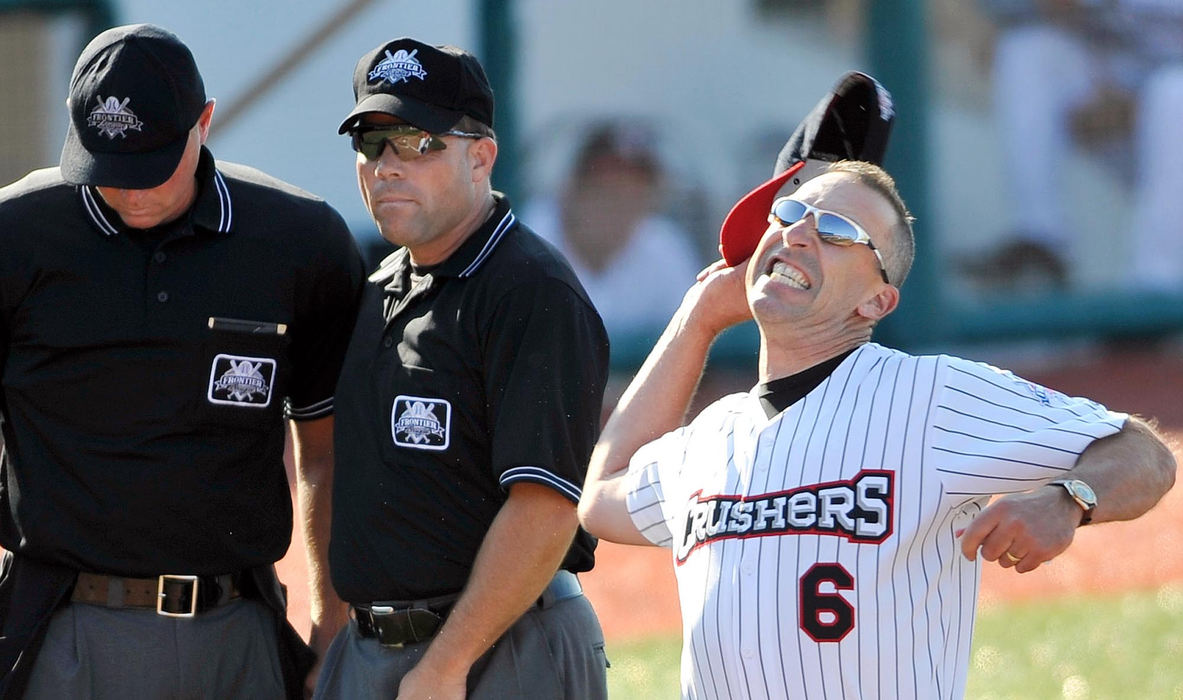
{"x":556,"y":652}
{"x":96,"y":652}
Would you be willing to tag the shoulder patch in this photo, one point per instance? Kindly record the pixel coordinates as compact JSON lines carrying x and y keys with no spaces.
{"x":421,"y":423}
{"x":1045,"y":396}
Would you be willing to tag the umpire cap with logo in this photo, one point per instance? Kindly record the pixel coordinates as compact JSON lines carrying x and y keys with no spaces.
{"x":430,"y":87}
{"x":134,"y":96}
{"x":852,"y":122}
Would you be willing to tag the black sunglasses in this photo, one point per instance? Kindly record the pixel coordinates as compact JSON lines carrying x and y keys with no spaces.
{"x":409,"y":142}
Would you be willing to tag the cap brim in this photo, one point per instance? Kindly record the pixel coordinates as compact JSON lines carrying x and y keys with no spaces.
{"x":129,"y":171}
{"x":748,"y":219}
{"x":412,"y":111}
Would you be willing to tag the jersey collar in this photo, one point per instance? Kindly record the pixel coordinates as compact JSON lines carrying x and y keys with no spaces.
{"x":213,"y":209}
{"x":851,"y":370}
{"x":477,"y":248}
{"x":465,"y":261}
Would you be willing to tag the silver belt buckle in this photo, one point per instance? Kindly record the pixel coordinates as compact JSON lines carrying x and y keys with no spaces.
{"x":160,"y":594}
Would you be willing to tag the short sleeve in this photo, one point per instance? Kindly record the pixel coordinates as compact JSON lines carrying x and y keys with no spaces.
{"x":328,"y":307}
{"x":994,"y":432}
{"x":651,"y":470}
{"x":546,"y":364}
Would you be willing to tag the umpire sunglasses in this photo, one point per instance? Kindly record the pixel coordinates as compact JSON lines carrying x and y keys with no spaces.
{"x":409,"y":142}
{"x":832,"y":227}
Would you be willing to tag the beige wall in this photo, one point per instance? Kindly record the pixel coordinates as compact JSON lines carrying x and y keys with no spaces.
{"x":24,"y":127}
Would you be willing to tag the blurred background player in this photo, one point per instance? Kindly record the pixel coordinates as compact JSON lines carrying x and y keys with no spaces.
{"x":607,"y":221}
{"x":1106,"y":77}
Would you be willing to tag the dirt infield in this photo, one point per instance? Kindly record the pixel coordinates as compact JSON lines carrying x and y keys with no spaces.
{"x":633,"y":588}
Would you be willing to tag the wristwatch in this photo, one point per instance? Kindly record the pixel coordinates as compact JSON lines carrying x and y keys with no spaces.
{"x":1083,"y":494}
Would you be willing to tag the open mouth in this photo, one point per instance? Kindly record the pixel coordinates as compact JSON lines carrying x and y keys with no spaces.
{"x":783,"y":272}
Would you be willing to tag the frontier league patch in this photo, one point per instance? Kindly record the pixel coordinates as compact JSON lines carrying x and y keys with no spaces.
{"x":398,"y":66}
{"x":421,"y":423}
{"x":112,"y":118}
{"x":241,"y":381}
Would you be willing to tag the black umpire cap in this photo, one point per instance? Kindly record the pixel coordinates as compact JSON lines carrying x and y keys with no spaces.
{"x":430,"y":87}
{"x":135,"y":95}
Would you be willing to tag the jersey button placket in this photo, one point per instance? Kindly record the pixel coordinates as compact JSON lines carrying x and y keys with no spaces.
{"x":158,"y":294}
{"x":747,"y":636}
{"x":767,"y":442}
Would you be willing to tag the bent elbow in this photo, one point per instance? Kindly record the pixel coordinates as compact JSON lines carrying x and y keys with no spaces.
{"x":1170,"y":470}
{"x":584,"y":511}
{"x":1167,"y":464}
{"x":592,"y":516}
{"x":607,"y":518}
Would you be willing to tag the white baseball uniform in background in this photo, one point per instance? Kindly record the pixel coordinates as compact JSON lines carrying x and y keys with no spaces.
{"x":815,"y":551}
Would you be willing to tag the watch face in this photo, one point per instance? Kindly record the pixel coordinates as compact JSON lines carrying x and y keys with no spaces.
{"x":1083,"y":491}
{"x":1084,"y":496}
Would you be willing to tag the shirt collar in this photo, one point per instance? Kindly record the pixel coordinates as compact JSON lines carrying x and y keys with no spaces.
{"x":466,"y":260}
{"x":778,"y":394}
{"x":477,"y":248}
{"x":212,"y":210}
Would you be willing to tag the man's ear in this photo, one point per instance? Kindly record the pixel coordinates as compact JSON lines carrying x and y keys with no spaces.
{"x":205,"y":119}
{"x":482,"y":153}
{"x":882,"y":303}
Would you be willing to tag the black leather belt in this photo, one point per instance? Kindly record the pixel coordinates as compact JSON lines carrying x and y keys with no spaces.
{"x":170,"y":595}
{"x":396,"y":623}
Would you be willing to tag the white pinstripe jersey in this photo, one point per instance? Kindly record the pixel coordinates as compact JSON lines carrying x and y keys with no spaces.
{"x":814,"y":551}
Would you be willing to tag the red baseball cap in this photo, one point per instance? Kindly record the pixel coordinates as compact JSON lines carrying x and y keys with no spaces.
{"x":852,"y":122}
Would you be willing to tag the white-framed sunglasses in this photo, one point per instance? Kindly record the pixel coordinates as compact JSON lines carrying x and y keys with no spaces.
{"x":832,"y":227}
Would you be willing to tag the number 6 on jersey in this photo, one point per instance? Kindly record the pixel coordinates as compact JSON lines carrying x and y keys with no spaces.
{"x":826,"y":617}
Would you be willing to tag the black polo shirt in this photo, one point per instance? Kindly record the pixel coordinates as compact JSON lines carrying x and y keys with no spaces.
{"x":487,"y":371}
{"x":141,"y":437}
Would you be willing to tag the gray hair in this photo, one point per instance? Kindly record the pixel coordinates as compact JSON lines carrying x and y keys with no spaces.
{"x":898,"y":256}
